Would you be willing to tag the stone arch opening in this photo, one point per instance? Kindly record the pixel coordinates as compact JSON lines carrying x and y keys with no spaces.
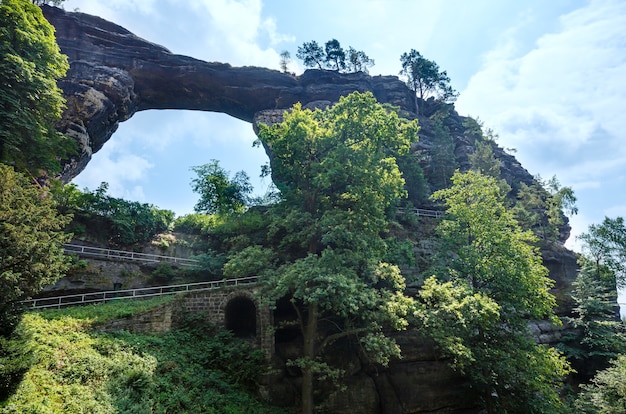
{"x":240,"y":317}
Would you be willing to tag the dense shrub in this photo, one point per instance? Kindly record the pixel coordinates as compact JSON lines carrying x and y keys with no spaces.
{"x":118,"y":221}
{"x":71,"y":369}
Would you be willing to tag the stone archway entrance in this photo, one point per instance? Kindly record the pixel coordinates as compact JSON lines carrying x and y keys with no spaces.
{"x":240,"y":317}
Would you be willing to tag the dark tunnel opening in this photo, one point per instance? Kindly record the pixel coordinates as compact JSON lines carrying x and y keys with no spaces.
{"x":241,"y":317}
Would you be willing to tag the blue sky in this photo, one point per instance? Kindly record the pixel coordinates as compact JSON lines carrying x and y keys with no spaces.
{"x":549,"y":77}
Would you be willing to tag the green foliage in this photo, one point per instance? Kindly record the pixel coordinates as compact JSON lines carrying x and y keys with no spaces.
{"x":415,"y":183}
{"x":285,"y":58}
{"x":251,"y":261}
{"x":595,"y":335}
{"x":541,"y":206}
{"x":358,"y":61}
{"x":607,"y":392}
{"x":31,"y":242}
{"x":425,"y":79}
{"x":605,"y":244}
{"x":211,"y":262}
{"x":399,"y":252}
{"x":118,"y":221}
{"x":442,"y":160}
{"x":337,"y":175}
{"x":483,"y":160}
{"x":335,"y":55}
{"x":73,"y":370}
{"x":493,"y":283}
{"x":30,"y":101}
{"x":52,"y":2}
{"x":163,"y":274}
{"x":100,"y":313}
{"x":311,"y":54}
{"x":241,"y":231}
{"x":195,"y":223}
{"x":332,"y":56}
{"x":220,"y":194}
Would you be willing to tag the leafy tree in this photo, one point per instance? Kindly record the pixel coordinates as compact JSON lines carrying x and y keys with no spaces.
{"x":491,"y":283}
{"x":285,"y":59}
{"x":335,"y":55}
{"x":358,"y":61}
{"x":607,"y":392}
{"x":337,"y":174}
{"x":332,"y":56}
{"x":442,"y":160}
{"x":540,"y":206}
{"x":484,"y":161}
{"x":425,"y":79}
{"x":31,"y":242}
{"x":56,"y":3}
{"x":218,"y":192}
{"x":311,"y":54}
{"x":415,"y":183}
{"x":605,"y":245}
{"x":112,"y":219}
{"x":30,"y":101}
{"x":596,"y":335}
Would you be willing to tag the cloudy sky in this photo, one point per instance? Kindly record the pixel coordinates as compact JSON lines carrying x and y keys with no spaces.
{"x":549,"y":77}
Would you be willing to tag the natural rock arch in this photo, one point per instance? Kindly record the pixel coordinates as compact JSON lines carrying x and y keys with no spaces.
{"x":113,"y":74}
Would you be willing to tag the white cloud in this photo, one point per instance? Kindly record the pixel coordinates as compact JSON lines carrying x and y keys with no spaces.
{"x":119,"y":168}
{"x":560,"y":102}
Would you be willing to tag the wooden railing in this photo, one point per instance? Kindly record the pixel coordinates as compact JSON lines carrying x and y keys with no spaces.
{"x":141,"y":293}
{"x":126,"y":255}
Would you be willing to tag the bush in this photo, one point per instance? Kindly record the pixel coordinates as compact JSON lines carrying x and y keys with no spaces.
{"x":195,"y":369}
{"x":195,"y":223}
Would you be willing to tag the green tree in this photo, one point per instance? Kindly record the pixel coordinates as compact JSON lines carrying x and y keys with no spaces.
{"x":31,"y":242}
{"x":442,"y":158}
{"x":595,"y":335}
{"x":484,"y":161}
{"x":218,"y":192}
{"x":494,"y":272}
{"x":335,"y":55}
{"x":311,"y":54}
{"x":358,"y":61}
{"x":285,"y":59}
{"x":540,"y":207}
{"x":605,"y":244}
{"x":30,"y":101}
{"x":424,"y":77}
{"x":337,"y":174}
{"x":607,"y":392}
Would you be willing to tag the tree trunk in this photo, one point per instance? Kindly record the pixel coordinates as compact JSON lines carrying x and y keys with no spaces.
{"x":310,"y":334}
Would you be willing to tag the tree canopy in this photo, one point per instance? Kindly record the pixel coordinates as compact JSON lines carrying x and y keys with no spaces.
{"x":424,"y":77}
{"x":605,"y":244}
{"x":31,"y":241}
{"x":218,"y":192}
{"x":332,"y":56}
{"x":489,"y":283}
{"x":30,"y":101}
{"x":337,"y":175}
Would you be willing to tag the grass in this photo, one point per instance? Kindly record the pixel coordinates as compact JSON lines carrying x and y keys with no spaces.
{"x":99,"y":313}
{"x":65,"y":366}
